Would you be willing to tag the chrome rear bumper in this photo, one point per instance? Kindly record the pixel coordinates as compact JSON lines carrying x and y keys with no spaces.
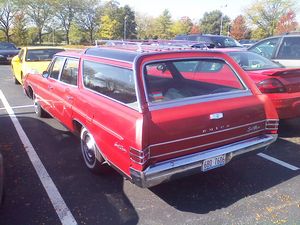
{"x":189,"y":164}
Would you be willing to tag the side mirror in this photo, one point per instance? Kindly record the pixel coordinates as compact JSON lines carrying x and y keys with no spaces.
{"x":45,"y":74}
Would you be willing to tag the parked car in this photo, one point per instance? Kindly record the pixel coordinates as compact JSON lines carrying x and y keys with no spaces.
{"x":247,"y":42}
{"x":155,"y":115}
{"x":7,"y":52}
{"x":284,"y":49}
{"x":32,"y":60}
{"x":213,"y":41}
{"x":1,"y":178}
{"x":281,"y":84}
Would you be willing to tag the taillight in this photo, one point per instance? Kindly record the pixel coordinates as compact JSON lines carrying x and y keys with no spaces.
{"x":271,"y":85}
{"x":139,"y":156}
{"x":272,"y":125}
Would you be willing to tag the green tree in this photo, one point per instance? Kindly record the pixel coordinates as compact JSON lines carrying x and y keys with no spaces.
{"x":20,"y":34}
{"x":212,"y":22}
{"x":129,"y":23}
{"x":145,"y":26}
{"x":163,"y":25}
{"x":65,"y":13}
{"x":7,"y":12}
{"x":107,"y":29}
{"x":77,"y":36}
{"x":182,"y":26}
{"x":259,"y":33}
{"x":39,"y":12}
{"x":88,"y":17}
{"x":265,"y":14}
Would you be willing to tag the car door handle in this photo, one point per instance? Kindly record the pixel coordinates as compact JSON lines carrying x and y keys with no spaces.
{"x":70,"y":98}
{"x":50,"y":87}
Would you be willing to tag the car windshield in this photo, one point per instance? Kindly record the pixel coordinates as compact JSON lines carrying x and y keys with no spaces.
{"x":41,"y":54}
{"x":252,"y":61}
{"x":7,"y":46}
{"x":189,"y":78}
{"x":225,"y":42}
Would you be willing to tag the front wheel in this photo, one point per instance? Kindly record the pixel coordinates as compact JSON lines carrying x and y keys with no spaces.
{"x":91,"y":155}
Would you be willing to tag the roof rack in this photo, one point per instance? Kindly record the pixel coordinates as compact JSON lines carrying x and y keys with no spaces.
{"x":152,"y":45}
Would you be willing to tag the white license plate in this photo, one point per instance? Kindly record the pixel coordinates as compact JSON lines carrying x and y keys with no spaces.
{"x":214,"y":162}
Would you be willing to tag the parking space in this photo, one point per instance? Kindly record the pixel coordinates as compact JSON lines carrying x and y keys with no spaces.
{"x":249,"y":190}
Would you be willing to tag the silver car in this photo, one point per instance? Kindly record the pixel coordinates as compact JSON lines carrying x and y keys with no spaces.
{"x":284,"y":49}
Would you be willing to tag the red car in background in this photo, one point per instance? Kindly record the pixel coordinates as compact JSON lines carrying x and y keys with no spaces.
{"x":281,"y":84}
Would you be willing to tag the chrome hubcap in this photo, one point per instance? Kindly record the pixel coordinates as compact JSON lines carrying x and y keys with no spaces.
{"x":88,"y":146}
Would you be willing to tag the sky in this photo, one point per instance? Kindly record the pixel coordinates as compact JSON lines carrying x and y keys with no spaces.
{"x":191,"y":8}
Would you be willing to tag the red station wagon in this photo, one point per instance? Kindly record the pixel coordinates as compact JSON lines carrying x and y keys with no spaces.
{"x":155,"y":115}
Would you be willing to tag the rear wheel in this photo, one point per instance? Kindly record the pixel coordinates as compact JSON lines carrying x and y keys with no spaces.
{"x":91,"y":155}
{"x":39,"y":111}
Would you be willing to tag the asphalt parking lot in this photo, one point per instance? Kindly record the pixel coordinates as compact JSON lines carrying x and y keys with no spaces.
{"x":46,"y":180}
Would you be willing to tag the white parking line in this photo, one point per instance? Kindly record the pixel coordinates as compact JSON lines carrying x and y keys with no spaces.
{"x":289,"y":166}
{"x":18,"y":107}
{"x":58,"y":203}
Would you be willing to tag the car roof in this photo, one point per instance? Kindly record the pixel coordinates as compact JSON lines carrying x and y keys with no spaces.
{"x":42,"y":47}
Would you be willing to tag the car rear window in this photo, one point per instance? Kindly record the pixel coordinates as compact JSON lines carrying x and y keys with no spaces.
{"x":114,"y":82}
{"x":172,"y":80}
{"x":41,"y":54}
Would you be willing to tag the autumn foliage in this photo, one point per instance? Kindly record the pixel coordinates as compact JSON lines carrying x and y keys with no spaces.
{"x":287,"y":23}
{"x":238,"y":28}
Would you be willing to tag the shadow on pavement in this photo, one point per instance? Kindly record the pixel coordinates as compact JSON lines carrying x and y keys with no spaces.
{"x":92,"y":199}
{"x":222,"y":187}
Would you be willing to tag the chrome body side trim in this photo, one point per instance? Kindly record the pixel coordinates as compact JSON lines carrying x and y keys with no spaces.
{"x":206,"y":134}
{"x":189,"y":164}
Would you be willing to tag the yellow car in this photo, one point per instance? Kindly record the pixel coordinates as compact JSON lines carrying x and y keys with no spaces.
{"x":32,"y":60}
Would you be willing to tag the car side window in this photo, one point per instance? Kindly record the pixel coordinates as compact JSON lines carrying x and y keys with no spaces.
{"x":290,"y":48}
{"x":70,"y":71}
{"x":56,"y":67}
{"x":266,"y":48}
{"x":114,"y":82}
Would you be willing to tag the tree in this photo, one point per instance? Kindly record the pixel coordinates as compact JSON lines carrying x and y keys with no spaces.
{"x":211,"y":22}
{"x":129,"y":23}
{"x":265,"y":14}
{"x":195,"y":29}
{"x":287,"y":23}
{"x":238,"y":28}
{"x":20,"y":34}
{"x":7,"y":13}
{"x":39,"y":12}
{"x":107,"y":29}
{"x":65,"y":12}
{"x":145,"y":27}
{"x":88,"y":17}
{"x":182,"y":26}
{"x":163,"y":25}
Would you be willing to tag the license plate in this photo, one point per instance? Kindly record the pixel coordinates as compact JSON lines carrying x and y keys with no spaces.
{"x":214,"y":162}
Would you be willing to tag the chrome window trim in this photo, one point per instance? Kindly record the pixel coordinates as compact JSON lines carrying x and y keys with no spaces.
{"x":51,"y":67}
{"x":60,"y":81}
{"x":195,"y":99}
{"x":112,"y":99}
{"x":198,"y":99}
{"x":206,"y":134}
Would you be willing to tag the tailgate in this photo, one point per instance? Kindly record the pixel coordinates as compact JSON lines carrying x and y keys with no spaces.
{"x":183,"y":130}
